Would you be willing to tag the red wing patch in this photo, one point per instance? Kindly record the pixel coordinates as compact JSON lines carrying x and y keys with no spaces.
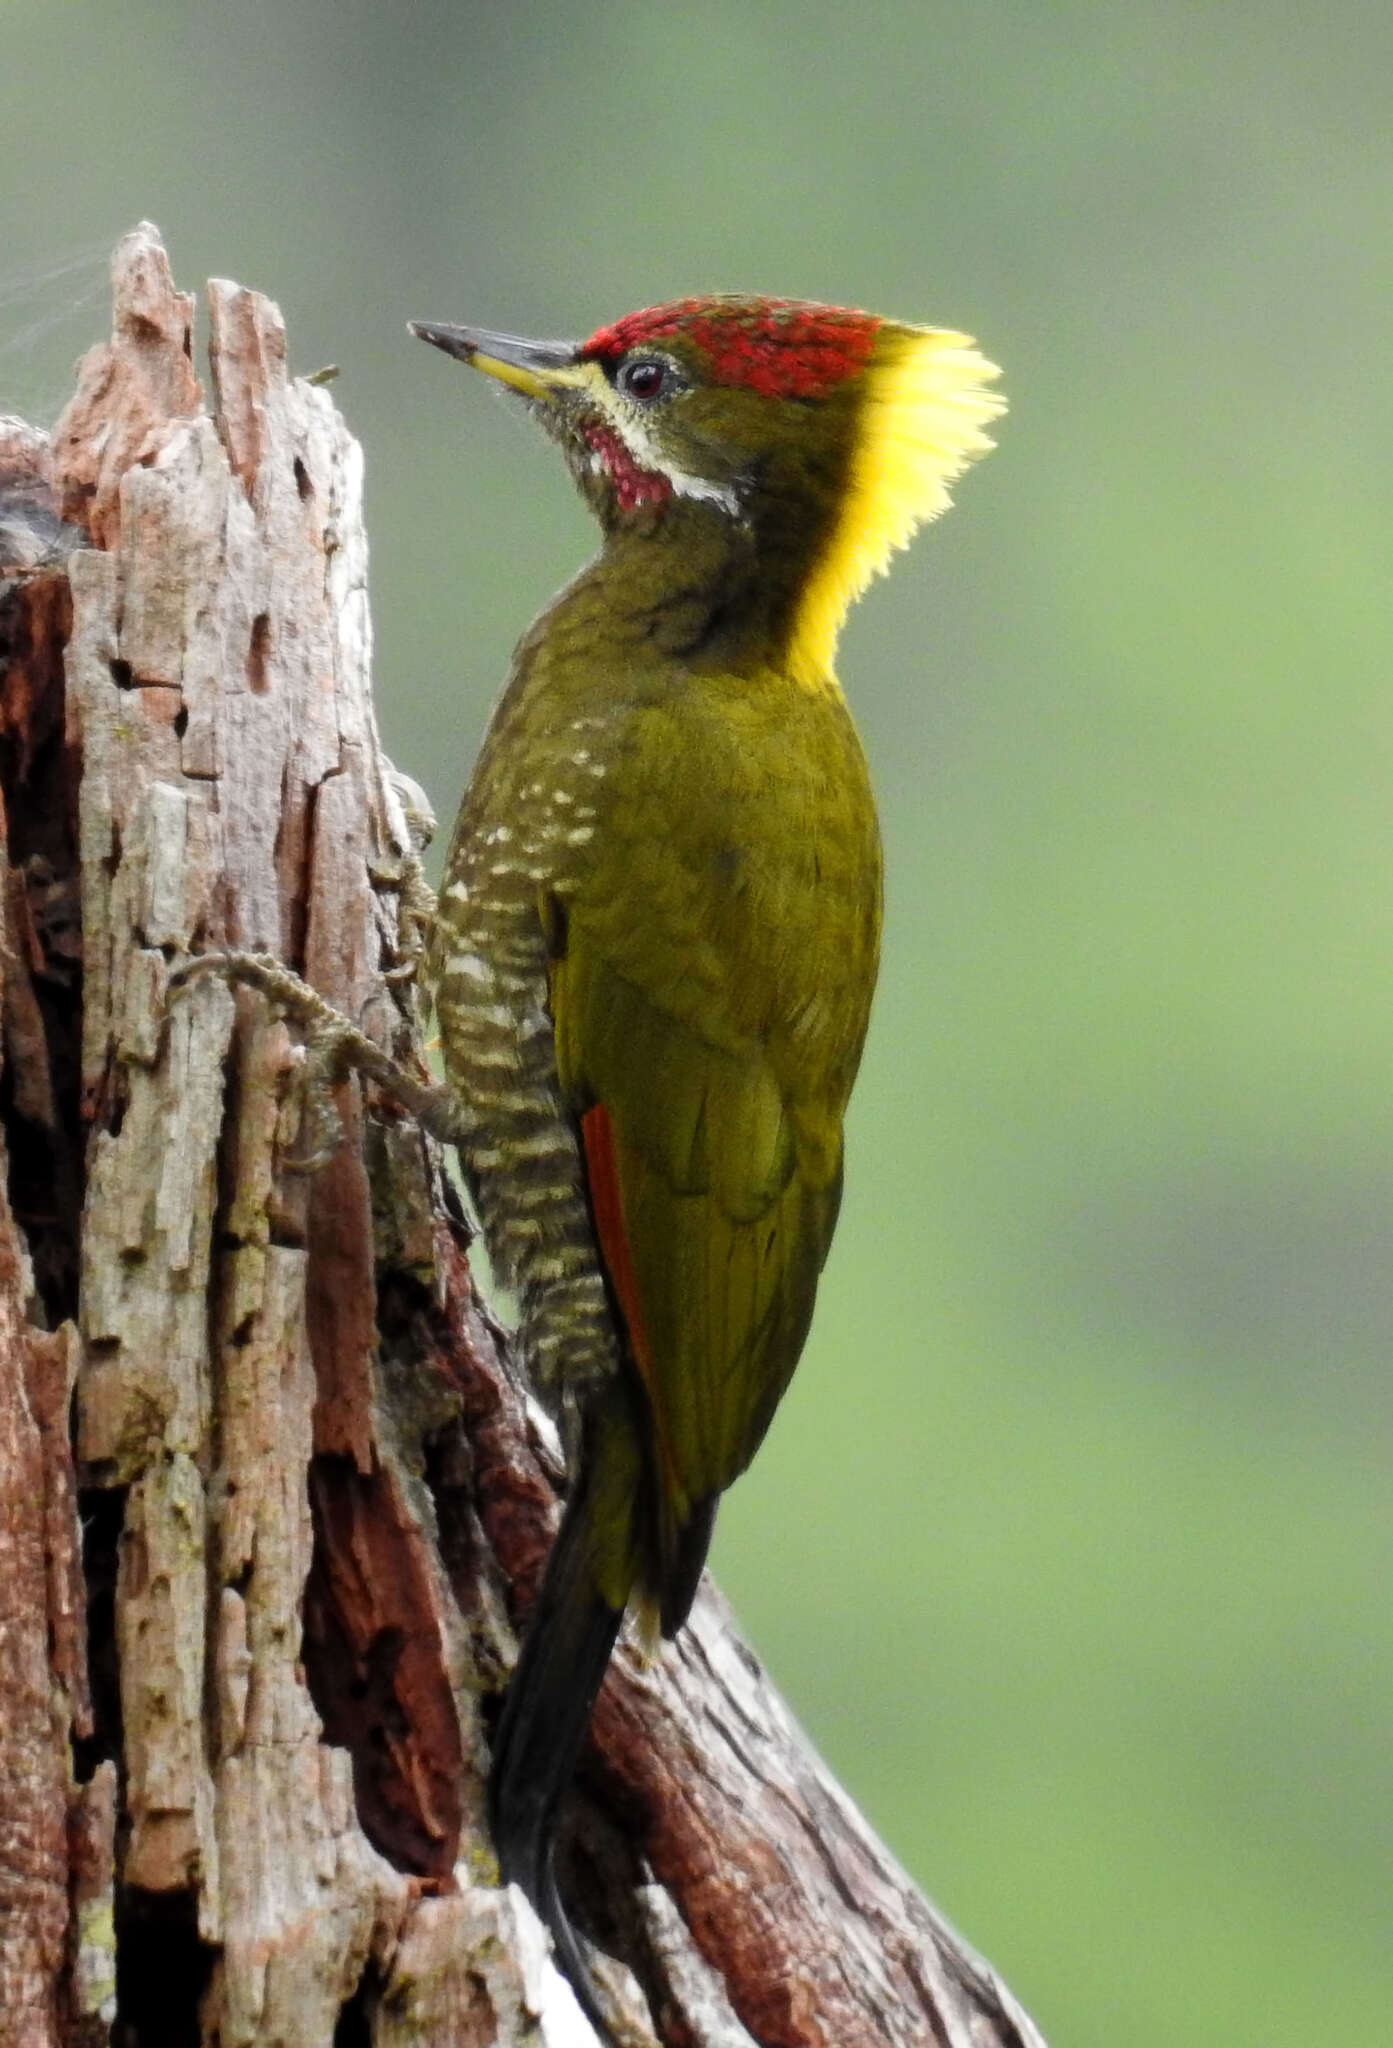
{"x":602,"y":1173}
{"x":783,"y":348}
{"x":607,"y":1207}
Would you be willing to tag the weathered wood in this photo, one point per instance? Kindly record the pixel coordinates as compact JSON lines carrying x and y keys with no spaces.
{"x":35,"y":1509}
{"x":44,"y":1700}
{"x":316,"y":1499}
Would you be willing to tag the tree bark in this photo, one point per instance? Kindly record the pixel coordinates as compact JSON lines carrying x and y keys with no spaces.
{"x":272,"y":1502}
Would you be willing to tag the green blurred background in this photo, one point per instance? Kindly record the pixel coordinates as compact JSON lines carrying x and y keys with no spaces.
{"x":1070,"y":1546}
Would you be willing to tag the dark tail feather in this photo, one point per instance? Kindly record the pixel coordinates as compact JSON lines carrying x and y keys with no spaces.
{"x":541,"y":1730}
{"x":683,"y":1573}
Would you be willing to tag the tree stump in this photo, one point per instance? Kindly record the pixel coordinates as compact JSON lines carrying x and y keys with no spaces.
{"x":272,"y":1499}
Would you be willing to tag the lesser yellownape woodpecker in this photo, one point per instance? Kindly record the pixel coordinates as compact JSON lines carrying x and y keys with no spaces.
{"x":658,"y":932}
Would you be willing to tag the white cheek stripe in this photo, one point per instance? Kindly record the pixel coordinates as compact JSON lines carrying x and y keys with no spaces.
{"x":645,"y":454}
{"x":701,"y":487}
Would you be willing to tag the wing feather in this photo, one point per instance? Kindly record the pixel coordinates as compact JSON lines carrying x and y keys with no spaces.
{"x":712,"y":1227}
{"x":710,"y":999}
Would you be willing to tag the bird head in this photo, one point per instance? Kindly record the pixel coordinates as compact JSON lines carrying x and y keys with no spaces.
{"x":822,"y":435}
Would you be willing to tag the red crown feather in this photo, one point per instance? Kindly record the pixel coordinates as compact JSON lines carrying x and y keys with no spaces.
{"x":782,"y":348}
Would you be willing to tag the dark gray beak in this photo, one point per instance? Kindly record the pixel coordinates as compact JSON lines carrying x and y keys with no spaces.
{"x":469,"y":344}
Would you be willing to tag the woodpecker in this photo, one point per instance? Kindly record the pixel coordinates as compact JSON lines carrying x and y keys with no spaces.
{"x":658,"y":932}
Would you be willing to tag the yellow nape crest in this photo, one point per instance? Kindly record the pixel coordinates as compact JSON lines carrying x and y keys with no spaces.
{"x":921,"y":422}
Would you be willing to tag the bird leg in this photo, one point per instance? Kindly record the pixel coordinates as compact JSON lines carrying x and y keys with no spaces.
{"x":415,"y":913}
{"x":406,"y":875}
{"x":334,"y":1048}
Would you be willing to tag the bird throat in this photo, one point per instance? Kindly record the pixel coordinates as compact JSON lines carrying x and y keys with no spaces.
{"x":633,"y":485}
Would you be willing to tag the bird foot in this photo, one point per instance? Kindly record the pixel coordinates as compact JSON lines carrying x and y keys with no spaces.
{"x":334,"y":1048}
{"x":405,"y":874}
{"x":415,"y":914}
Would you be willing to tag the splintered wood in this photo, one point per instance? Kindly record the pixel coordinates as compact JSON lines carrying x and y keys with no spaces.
{"x":314,"y":1500}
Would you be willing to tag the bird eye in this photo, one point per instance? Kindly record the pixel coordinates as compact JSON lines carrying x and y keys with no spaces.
{"x":644,"y":378}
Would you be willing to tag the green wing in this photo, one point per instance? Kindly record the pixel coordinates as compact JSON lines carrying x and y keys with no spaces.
{"x":709,"y":1006}
{"x":725,"y":1220}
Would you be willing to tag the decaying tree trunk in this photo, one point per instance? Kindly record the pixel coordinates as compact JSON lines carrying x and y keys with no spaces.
{"x":270,"y":1499}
